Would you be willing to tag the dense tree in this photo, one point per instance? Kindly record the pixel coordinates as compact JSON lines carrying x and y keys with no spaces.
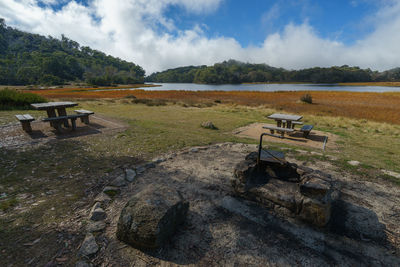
{"x":233,"y":71}
{"x":27,"y":58}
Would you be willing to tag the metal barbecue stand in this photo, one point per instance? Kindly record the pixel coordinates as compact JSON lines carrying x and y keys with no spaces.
{"x":269,"y":155}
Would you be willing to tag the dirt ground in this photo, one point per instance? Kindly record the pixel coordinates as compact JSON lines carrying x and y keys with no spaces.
{"x":316,"y":139}
{"x":12,"y":135}
{"x":222,"y":230}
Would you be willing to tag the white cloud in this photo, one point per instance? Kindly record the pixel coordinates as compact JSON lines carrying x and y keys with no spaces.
{"x":139,"y":31}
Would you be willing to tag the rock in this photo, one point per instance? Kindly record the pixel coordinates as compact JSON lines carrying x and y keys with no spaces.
{"x":150,"y":165}
{"x":140,"y":169}
{"x":97,"y":213}
{"x":391,"y":173}
{"x":130,"y":175}
{"x":301,"y":151}
{"x":89,"y":246}
{"x":103,"y":198}
{"x":95,"y":226}
{"x":316,"y":212}
{"x":158,"y":160}
{"x":151,"y":217}
{"x":194,"y":150}
{"x":209,"y":125}
{"x":119,"y":181}
{"x":279,"y":192}
{"x":314,"y":187}
{"x":316,"y":153}
{"x":353,"y":162}
{"x":111,"y":191}
{"x":83,"y":264}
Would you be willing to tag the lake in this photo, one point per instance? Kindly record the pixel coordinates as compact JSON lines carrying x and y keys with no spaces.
{"x":269,"y":87}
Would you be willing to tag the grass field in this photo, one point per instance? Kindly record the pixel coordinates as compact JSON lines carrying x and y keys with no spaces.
{"x":379,"y":107}
{"x":45,"y":185}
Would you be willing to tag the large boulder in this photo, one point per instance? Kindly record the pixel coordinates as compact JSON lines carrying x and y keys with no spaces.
{"x":151,"y":217}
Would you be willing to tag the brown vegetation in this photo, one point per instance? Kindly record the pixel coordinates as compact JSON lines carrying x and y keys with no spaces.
{"x":382,"y":107}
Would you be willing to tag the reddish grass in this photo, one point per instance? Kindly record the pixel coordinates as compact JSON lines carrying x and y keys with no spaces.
{"x":383,"y":107}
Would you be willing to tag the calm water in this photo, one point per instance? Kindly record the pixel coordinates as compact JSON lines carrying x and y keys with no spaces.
{"x":270,"y":87}
{"x":262,"y":87}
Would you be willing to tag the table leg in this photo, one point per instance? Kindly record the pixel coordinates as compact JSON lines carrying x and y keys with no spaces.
{"x":278,"y":123}
{"x":289,"y":124}
{"x":63,"y":112}
{"x":51,"y":113}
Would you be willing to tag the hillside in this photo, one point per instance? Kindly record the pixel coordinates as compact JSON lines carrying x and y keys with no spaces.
{"x":27,"y":58}
{"x":232,"y":71}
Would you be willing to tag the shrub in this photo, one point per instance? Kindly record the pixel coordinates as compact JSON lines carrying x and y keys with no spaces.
{"x":307,"y":98}
{"x":12,"y":99}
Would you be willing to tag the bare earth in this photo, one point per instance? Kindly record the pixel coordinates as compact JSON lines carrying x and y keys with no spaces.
{"x":222,"y":230}
{"x":12,"y":135}
{"x":315,"y":139}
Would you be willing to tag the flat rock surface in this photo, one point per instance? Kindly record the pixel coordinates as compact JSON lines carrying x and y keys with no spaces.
{"x":315,"y":139}
{"x":221,"y":230}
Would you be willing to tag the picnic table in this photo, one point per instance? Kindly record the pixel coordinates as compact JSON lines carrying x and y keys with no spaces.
{"x":51,"y":108}
{"x":285,"y":119}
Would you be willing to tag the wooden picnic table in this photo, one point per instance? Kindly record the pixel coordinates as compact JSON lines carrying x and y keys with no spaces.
{"x":279,"y":118}
{"x":51,"y":108}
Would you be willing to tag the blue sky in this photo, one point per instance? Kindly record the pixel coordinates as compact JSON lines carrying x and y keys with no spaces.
{"x":250,"y":21}
{"x":161,"y":34}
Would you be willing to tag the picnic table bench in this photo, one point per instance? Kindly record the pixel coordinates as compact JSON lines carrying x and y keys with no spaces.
{"x":84,"y":119}
{"x":57,"y":121}
{"x":279,"y":130}
{"x":25,"y":122}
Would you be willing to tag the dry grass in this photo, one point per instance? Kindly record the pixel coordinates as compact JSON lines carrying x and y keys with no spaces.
{"x":381,"y":107}
{"x":396,"y":84}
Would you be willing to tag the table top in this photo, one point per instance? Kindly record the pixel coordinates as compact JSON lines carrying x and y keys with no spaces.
{"x":278,"y":116}
{"x":53,"y":105}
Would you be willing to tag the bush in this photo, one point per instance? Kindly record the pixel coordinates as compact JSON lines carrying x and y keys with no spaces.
{"x":12,"y":99}
{"x":307,"y":98}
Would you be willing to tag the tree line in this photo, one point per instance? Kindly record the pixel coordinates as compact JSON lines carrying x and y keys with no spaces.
{"x":234,"y":72}
{"x":27,"y":58}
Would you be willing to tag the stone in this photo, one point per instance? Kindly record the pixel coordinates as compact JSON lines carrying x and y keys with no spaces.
{"x":158,"y":160}
{"x":150,"y":165}
{"x":130,"y":175}
{"x":111,"y":191}
{"x":315,"y":212}
{"x":140,"y":169}
{"x":102,"y":198}
{"x":316,"y":153}
{"x":209,"y":125}
{"x":119,"y":181}
{"x":151,"y":217}
{"x":89,"y":246}
{"x":194,"y":150}
{"x":353,"y":162}
{"x":97,"y":213}
{"x":314,"y":187}
{"x":391,"y":173}
{"x":95,"y":226}
{"x":83,"y":264}
{"x":278,"y":192}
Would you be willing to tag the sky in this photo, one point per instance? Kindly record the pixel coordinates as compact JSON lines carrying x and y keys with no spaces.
{"x":163,"y":34}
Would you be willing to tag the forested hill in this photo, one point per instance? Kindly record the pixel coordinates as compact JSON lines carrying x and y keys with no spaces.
{"x":27,"y":58}
{"x":233,"y":71}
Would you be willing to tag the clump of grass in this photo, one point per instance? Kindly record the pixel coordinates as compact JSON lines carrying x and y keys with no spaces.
{"x":150,"y":102}
{"x":307,"y":98}
{"x":12,"y":99}
{"x":130,"y":96}
{"x":8,"y":203}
